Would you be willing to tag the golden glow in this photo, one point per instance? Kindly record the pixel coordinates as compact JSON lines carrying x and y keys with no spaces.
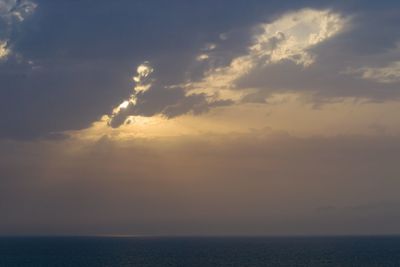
{"x":285,"y":113}
{"x":4,"y":51}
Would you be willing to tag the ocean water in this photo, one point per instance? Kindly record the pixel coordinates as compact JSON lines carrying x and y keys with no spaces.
{"x":201,"y":252}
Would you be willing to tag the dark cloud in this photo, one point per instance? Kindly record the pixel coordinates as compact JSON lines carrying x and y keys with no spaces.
{"x":150,"y":97}
{"x":72,"y":60}
{"x":172,"y":102}
{"x":83,"y":55}
{"x":169,"y":102}
{"x":324,"y":81}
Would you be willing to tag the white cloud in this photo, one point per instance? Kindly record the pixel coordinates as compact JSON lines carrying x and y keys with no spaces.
{"x":288,"y":38}
{"x":142,"y":78}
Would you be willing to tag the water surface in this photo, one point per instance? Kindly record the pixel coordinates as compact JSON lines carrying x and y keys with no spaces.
{"x":201,"y":252}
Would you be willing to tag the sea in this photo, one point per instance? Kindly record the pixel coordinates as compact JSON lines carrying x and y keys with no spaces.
{"x":383,"y":251}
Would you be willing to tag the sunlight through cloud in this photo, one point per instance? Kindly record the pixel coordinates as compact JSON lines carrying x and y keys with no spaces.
{"x":288,"y":38}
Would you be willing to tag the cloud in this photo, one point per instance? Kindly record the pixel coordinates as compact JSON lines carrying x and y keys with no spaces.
{"x":388,"y":74}
{"x":289,"y":38}
{"x":81,"y":68}
{"x":318,"y":54}
{"x":150,"y":97}
{"x":289,"y":54}
{"x":202,"y":57}
{"x":4,"y":51}
{"x":12,"y":12}
{"x":16,"y":9}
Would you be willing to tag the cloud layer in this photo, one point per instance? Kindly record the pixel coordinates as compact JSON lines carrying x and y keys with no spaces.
{"x":257,"y":183}
{"x":286,"y":40}
{"x":63,"y":74}
{"x":289,"y":54}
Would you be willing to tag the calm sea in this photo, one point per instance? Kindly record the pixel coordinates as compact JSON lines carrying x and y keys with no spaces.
{"x":202,"y":252}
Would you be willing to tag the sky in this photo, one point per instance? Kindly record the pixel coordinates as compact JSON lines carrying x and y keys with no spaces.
{"x":211,"y":117}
